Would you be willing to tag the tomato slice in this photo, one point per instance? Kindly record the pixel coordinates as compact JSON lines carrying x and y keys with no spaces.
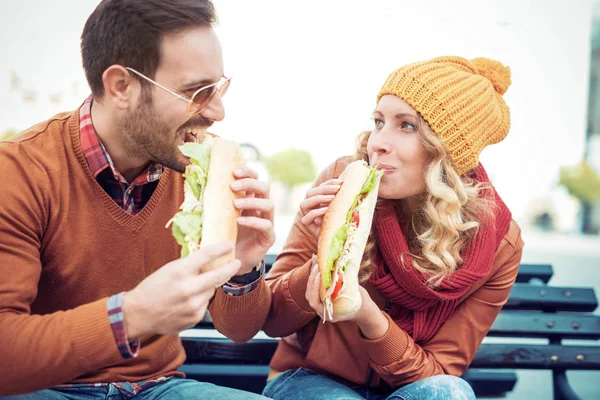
{"x":338,"y":287}
{"x":355,"y":218}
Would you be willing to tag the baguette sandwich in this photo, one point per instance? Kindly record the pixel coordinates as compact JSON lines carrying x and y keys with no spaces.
{"x":207,"y":214}
{"x":344,"y":232}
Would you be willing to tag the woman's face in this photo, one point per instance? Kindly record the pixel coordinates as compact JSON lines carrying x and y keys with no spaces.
{"x":396,"y":146}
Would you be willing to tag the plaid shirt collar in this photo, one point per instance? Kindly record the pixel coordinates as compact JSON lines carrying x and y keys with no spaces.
{"x":98,"y":158}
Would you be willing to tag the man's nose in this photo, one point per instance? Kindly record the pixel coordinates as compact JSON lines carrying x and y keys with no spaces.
{"x":214,"y":111}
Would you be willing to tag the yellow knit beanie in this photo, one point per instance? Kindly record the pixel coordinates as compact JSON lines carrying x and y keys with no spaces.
{"x":461,"y":100}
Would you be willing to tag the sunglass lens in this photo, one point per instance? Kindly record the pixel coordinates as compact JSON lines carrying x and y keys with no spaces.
{"x":201,"y":99}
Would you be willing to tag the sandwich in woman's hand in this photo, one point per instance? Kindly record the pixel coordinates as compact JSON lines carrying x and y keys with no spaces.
{"x":344,"y":233}
{"x":207,"y":213}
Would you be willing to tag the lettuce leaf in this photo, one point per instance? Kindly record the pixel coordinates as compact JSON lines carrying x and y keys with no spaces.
{"x":187,"y":227}
{"x":339,"y":238}
{"x":335,"y":251}
{"x":187,"y":223}
{"x":371,"y":180}
{"x":199,"y":155}
{"x":369,"y":184}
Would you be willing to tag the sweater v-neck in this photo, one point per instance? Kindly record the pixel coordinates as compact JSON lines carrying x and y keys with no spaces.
{"x":131,"y":222}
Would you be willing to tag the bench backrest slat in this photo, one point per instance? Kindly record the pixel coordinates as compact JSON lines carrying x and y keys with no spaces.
{"x":550,"y":298}
{"x":546,"y":325}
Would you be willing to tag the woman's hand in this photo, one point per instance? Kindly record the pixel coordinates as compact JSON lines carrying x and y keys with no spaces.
{"x":315,"y":204}
{"x":369,"y":317}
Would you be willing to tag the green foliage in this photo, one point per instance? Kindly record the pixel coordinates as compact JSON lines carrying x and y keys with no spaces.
{"x":292,"y":167}
{"x":582,"y":182}
{"x":7,"y":135}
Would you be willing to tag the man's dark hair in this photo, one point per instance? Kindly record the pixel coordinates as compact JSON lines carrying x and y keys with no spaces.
{"x":129,"y":32}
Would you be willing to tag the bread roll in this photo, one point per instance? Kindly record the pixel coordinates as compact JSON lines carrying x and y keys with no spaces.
{"x":220,"y":215}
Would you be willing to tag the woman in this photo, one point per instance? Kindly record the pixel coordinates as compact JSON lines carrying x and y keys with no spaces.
{"x":442,"y":255}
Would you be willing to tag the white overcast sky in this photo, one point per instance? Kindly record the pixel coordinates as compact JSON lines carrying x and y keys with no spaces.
{"x":306,"y":72}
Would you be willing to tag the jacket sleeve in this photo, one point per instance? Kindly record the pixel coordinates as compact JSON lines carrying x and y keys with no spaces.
{"x":288,"y":277}
{"x":399,"y":360}
{"x":39,"y":351}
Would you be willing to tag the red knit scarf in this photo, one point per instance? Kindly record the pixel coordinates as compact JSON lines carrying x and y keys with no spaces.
{"x":417,"y":308}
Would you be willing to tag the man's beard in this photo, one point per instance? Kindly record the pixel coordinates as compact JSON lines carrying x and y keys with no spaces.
{"x":146,"y":136}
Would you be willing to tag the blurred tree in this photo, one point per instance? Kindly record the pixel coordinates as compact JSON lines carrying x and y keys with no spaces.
{"x":7,"y":134}
{"x":291,"y":167}
{"x":15,"y":81}
{"x":583,"y":183}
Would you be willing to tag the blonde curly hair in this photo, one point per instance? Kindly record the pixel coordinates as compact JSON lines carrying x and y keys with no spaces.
{"x":447,"y":219}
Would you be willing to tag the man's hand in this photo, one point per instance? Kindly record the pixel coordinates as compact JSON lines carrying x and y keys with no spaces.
{"x":175,"y":297}
{"x":255,"y":234}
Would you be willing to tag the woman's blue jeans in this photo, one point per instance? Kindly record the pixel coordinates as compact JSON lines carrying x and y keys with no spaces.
{"x":302,"y":384}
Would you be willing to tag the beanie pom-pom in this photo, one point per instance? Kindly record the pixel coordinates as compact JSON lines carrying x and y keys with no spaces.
{"x":493,"y":70}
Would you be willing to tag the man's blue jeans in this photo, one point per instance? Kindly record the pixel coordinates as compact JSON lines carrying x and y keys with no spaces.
{"x":302,"y":384}
{"x":174,"y":388}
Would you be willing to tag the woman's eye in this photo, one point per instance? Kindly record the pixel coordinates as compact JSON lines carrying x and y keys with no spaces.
{"x":378,"y":123}
{"x":408,"y":125}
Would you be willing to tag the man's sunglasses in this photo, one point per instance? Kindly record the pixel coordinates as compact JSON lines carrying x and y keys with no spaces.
{"x":201,"y":97}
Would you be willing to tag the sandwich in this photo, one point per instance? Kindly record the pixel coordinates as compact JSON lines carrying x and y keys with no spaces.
{"x":207,"y":214}
{"x":344,"y":232}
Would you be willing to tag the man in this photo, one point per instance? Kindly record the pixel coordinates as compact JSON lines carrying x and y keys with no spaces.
{"x":92,"y":294}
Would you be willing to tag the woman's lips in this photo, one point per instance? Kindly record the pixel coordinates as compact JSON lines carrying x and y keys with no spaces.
{"x":387,"y":169}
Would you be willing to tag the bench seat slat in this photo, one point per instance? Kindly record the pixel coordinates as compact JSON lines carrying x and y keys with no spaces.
{"x":537,"y":357}
{"x":257,"y":351}
{"x":260,"y":351}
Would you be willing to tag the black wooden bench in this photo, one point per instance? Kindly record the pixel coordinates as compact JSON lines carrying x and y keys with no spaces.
{"x":534,"y":310}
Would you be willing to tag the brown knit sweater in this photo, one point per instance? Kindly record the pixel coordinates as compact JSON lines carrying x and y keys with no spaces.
{"x":65,"y":247}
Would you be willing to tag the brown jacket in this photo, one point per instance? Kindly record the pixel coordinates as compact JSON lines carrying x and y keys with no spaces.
{"x":394,"y":359}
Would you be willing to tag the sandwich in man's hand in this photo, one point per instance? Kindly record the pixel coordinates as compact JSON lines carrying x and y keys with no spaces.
{"x":207,"y":214}
{"x":344,"y":232}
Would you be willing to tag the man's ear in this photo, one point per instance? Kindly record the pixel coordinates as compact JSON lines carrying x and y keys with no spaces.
{"x":119,"y":86}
